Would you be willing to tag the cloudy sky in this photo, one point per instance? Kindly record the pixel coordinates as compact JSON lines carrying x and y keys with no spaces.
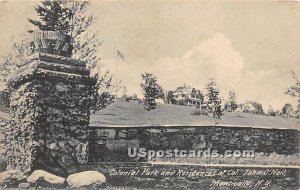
{"x":249,"y":47}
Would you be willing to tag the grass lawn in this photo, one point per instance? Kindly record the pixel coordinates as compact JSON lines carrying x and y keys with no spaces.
{"x":122,"y":113}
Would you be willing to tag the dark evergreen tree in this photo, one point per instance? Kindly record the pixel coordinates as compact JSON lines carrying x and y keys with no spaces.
{"x":151,"y":90}
{"x":213,"y":100}
{"x":53,"y":16}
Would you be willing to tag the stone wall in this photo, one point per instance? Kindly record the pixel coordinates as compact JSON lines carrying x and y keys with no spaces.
{"x":111,"y":141}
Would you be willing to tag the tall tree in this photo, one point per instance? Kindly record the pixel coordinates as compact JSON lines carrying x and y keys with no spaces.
{"x":213,"y":100}
{"x":151,"y":90}
{"x":294,"y":91}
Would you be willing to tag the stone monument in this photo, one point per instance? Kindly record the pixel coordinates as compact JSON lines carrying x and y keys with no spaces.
{"x":50,"y":103}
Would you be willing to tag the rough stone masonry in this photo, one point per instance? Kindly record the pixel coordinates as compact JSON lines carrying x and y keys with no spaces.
{"x":50,"y":103}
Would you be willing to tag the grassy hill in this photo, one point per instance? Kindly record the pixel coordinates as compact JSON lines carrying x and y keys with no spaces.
{"x":131,"y":113}
{"x":122,"y":113}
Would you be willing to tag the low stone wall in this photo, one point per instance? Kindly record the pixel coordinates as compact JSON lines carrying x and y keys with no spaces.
{"x":106,"y":143}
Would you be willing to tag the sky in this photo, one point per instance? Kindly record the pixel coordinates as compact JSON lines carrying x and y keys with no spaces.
{"x":248,"y":47}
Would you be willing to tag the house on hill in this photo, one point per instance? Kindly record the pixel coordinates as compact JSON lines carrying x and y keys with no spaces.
{"x":186,"y":95}
{"x":252,"y":107}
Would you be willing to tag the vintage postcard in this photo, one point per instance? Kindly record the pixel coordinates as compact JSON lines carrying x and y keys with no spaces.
{"x":149,"y":94}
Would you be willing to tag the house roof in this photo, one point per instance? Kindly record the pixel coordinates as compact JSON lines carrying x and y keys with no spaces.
{"x":183,"y":90}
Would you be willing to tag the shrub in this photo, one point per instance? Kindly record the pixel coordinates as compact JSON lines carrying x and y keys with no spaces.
{"x":199,"y":112}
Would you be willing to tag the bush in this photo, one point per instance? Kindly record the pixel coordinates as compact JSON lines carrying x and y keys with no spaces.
{"x":199,"y":112}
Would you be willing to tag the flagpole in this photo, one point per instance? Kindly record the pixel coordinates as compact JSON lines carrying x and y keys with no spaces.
{"x":116,"y":76}
{"x":118,"y":57}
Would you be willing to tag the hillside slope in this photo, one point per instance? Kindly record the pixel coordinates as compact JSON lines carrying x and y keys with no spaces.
{"x":131,"y":113}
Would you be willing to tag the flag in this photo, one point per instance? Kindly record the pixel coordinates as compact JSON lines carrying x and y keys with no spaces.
{"x":120,"y":54}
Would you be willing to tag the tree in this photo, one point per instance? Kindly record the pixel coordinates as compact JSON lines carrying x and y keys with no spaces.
{"x":232,"y":105}
{"x":101,"y":94}
{"x":124,"y":91}
{"x":294,"y":91}
{"x":13,"y":60}
{"x":213,"y":100}
{"x":287,"y":109}
{"x":53,"y":17}
{"x":258,"y":108}
{"x":200,"y":96}
{"x":170,"y":97}
{"x":151,"y":91}
{"x":271,"y":111}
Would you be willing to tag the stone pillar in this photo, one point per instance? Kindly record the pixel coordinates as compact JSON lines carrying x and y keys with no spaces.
{"x":50,"y":102}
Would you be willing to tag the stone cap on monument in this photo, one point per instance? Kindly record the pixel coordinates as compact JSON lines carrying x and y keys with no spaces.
{"x":51,"y":42}
{"x":51,"y":59}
